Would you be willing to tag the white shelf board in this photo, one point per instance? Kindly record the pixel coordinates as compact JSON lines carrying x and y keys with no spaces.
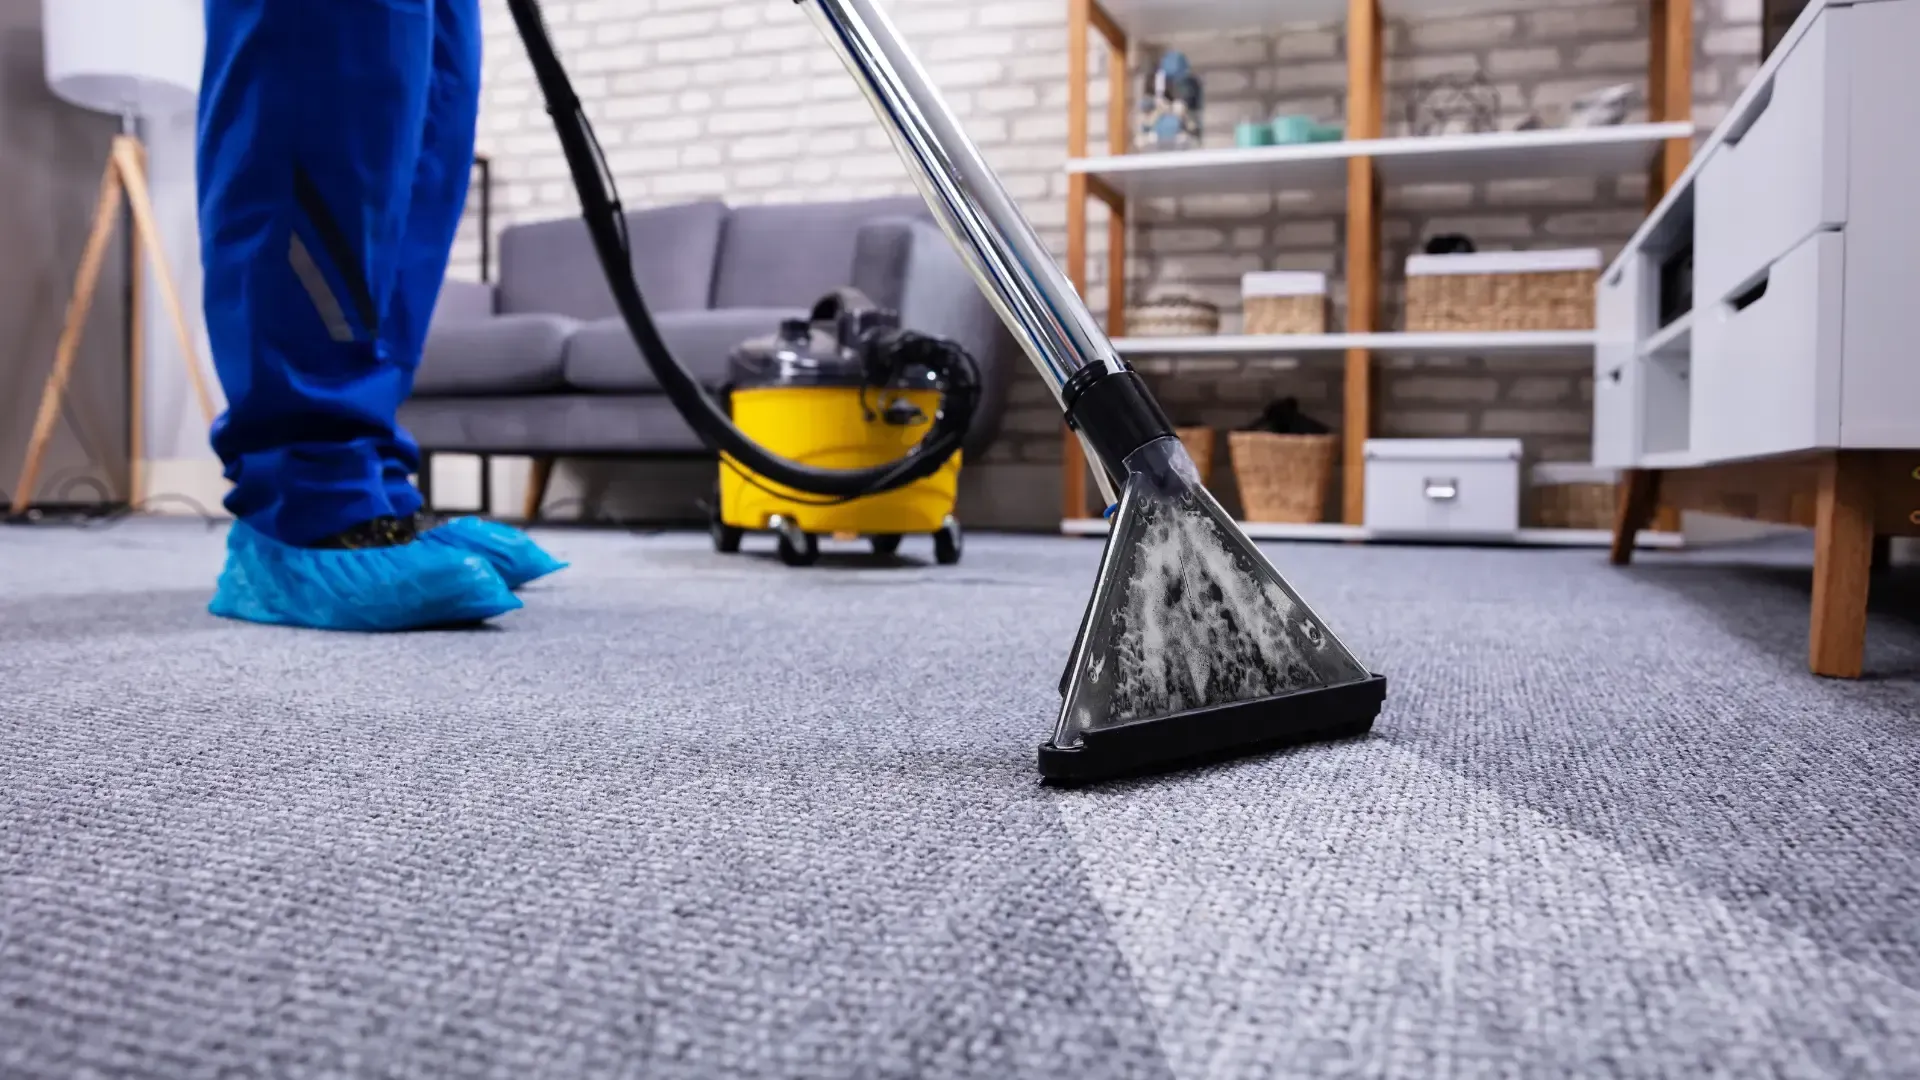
{"x":1432,"y":159}
{"x":1259,"y":530}
{"x":1594,"y":538}
{"x":1673,"y":341}
{"x":1668,"y":459}
{"x":1158,"y":18}
{"x":1450,"y":343}
{"x":1333,"y":532}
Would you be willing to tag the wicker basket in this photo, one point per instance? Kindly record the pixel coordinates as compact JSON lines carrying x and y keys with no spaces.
{"x":1574,"y":506}
{"x":1199,"y":443}
{"x":1283,"y":478}
{"x":1502,"y":290}
{"x":1174,"y":316}
{"x":1283,"y":302}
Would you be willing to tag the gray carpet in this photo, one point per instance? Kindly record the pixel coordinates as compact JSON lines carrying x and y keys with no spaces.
{"x":691,"y":816}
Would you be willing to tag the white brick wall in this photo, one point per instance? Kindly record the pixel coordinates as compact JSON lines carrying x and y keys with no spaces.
{"x":740,"y":99}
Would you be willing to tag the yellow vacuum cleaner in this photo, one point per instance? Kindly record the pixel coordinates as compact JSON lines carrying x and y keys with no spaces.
{"x":845,"y":388}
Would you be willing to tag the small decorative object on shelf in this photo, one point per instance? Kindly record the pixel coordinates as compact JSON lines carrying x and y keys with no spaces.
{"x":1502,"y":290}
{"x":1174,"y":316}
{"x":1199,"y":443}
{"x":1285,"y":302}
{"x":1288,"y":130}
{"x":1171,"y":107}
{"x":1463,"y":104}
{"x":1251,"y":133}
{"x":1602,"y":108}
{"x":1283,"y":464}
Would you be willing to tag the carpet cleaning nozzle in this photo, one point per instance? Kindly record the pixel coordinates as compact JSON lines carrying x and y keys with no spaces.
{"x":1192,"y":646}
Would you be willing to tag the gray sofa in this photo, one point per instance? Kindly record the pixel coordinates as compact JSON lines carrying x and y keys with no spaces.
{"x":540,"y":364}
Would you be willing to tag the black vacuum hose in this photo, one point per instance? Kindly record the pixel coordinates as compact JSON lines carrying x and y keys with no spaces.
{"x":600,"y":207}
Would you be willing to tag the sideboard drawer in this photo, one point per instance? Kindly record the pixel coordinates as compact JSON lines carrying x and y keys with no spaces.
{"x":1766,"y":364}
{"x":1781,"y":174}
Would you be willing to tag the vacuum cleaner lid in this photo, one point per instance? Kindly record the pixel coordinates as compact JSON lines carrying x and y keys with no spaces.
{"x":800,"y":353}
{"x":836,"y":351}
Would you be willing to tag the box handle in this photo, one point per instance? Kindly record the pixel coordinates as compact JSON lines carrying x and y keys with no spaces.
{"x":1442,"y":489}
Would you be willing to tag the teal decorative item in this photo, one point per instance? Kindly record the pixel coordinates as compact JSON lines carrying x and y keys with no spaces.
{"x":1253,"y":133}
{"x":1292,"y":129}
{"x":1170,"y":109}
{"x":1327,"y":133}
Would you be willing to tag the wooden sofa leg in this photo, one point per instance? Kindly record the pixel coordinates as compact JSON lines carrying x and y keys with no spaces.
{"x":1842,"y":564}
{"x":1639,"y":497}
{"x":424,"y":480}
{"x":537,"y":488}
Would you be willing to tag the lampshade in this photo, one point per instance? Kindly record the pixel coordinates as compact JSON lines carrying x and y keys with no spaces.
{"x":119,"y":56}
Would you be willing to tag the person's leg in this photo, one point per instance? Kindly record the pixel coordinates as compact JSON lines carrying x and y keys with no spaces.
{"x":442,"y":175}
{"x":310,"y":116}
{"x":309,"y":133}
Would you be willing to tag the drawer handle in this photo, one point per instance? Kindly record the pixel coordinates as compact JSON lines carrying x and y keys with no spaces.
{"x":1442,"y":489}
{"x":1762,"y":99}
{"x":1751,"y":295}
{"x":1614,"y":375}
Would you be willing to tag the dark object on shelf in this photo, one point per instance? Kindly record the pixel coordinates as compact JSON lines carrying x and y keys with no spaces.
{"x":1676,"y":284}
{"x":1776,"y":18}
{"x":1450,"y":244}
{"x":1284,"y":417}
{"x":1465,"y":103}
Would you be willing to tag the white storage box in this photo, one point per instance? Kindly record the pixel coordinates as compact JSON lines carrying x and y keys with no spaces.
{"x":1443,"y":488}
{"x":1284,"y":302}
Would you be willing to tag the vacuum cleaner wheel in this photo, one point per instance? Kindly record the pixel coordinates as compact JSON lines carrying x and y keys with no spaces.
{"x":798,"y":548}
{"x":885,"y":543}
{"x":947,"y":543}
{"x":726,"y":538}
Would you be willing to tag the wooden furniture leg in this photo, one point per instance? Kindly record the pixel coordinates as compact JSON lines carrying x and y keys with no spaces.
{"x":125,"y":177}
{"x":131,"y":158}
{"x":136,"y":375}
{"x":78,"y":305}
{"x":1842,"y":564}
{"x":1639,"y":495}
{"x":537,"y":481}
{"x":424,"y":480}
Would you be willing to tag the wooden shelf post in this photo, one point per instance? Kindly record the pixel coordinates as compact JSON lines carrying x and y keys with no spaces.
{"x":1084,"y":17}
{"x":1366,"y":89}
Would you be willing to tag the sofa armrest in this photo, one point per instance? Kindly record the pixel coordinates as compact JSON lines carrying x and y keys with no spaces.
{"x":464,"y":302}
{"x":909,"y":265}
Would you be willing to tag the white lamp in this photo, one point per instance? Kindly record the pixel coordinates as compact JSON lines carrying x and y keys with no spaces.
{"x":136,"y":59}
{"x":132,"y":58}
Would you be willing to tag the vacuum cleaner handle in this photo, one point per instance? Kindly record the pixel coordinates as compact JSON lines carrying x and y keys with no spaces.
{"x":999,"y":246}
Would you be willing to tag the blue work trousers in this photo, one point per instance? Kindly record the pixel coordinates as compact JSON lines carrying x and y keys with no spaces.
{"x":335,"y":149}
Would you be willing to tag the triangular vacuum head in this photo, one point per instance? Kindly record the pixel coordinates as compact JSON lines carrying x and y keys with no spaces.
{"x":1193,"y":647}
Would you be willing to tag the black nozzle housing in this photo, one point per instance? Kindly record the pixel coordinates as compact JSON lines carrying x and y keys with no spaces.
{"x":1114,"y":410}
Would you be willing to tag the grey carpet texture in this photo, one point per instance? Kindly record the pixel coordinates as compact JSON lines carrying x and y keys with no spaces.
{"x":700,"y":816}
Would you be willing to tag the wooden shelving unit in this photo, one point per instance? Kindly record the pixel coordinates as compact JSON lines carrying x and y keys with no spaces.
{"x":1355,"y":170}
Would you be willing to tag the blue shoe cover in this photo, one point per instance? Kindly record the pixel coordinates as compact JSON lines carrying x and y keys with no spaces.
{"x":409,"y":587}
{"x":514,"y":555}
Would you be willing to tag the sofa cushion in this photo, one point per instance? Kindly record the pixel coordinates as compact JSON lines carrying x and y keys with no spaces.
{"x":550,"y":424}
{"x":791,"y":254}
{"x":551,"y":267}
{"x":602,"y":358}
{"x":507,"y":354}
